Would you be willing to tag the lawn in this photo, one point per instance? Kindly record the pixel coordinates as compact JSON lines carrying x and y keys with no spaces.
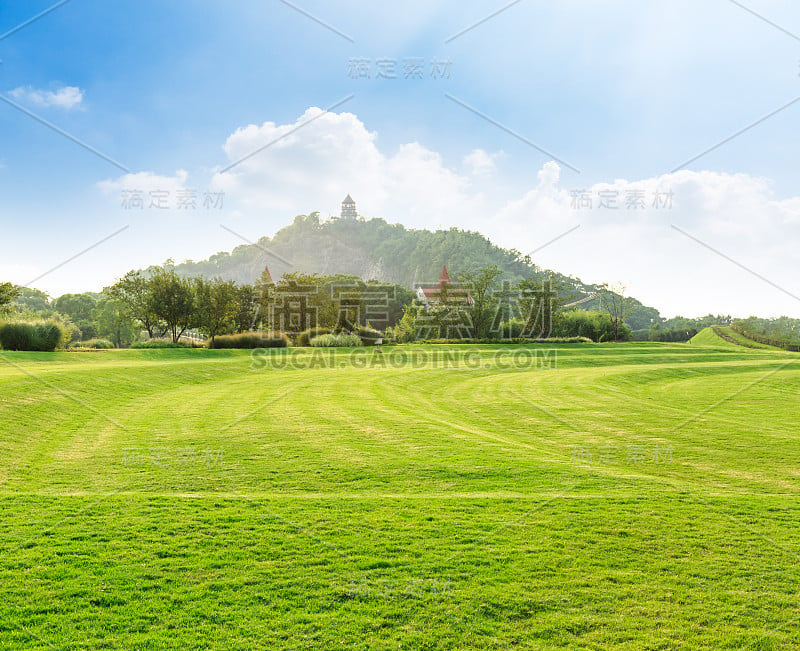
{"x":627,"y":496}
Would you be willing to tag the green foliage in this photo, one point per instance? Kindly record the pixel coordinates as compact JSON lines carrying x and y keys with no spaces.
{"x":785,"y":336}
{"x":513,"y":328}
{"x":592,"y":324}
{"x":404,"y":256}
{"x":134,"y":292}
{"x":369,"y":336}
{"x":32,"y":301}
{"x":776,"y":332}
{"x":657,"y":333}
{"x":172,"y":298}
{"x":483,"y":308}
{"x":251,"y":340}
{"x":516,"y":341}
{"x":114,"y":323}
{"x":246,"y":314}
{"x":341,"y":340}
{"x":97,"y":344}
{"x":80,"y":309}
{"x":8,"y":292}
{"x":216,"y":305}
{"x":619,"y":307}
{"x":45,"y":336}
{"x":354,"y":247}
{"x":305,"y":337}
{"x":405,"y":331}
{"x":162,"y":343}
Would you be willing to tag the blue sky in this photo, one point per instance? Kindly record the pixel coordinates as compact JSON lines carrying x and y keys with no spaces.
{"x":620,"y":90}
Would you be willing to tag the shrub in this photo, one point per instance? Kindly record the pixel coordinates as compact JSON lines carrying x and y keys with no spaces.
{"x":514,"y":341}
{"x":44,"y":336}
{"x":305,"y":337}
{"x":343,"y":340}
{"x":251,"y":340}
{"x":369,"y":336}
{"x":162,"y":343}
{"x":98,"y":344}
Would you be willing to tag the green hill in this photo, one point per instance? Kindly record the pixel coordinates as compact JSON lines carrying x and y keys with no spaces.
{"x":371,"y":249}
{"x":376,"y":250}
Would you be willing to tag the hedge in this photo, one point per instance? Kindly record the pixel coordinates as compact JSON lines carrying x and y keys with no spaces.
{"x":251,"y":340}
{"x":516,"y":340}
{"x":162,"y":343}
{"x":764,"y":340}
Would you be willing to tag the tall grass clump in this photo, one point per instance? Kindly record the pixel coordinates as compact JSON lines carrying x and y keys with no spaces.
{"x":369,"y":336}
{"x":340,"y":340}
{"x":163,"y":343}
{"x":305,"y":337}
{"x":251,"y":340}
{"x":95,"y":344}
{"x":44,"y":336}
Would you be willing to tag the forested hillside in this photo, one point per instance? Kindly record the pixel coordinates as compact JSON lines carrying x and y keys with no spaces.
{"x":371,"y":249}
{"x":376,"y":250}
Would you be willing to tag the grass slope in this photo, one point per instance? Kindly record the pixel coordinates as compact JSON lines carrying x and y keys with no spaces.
{"x":710,"y":337}
{"x":633,"y":496}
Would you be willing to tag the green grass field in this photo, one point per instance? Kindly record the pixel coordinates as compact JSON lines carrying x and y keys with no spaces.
{"x":626,"y":496}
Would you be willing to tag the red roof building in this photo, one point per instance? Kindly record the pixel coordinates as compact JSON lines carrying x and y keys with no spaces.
{"x":444,"y":290}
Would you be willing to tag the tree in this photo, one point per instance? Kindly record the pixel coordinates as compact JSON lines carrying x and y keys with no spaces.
{"x":247,"y":314}
{"x":538,"y":299}
{"x":480,"y":285}
{"x":134,"y":292}
{"x":301,"y":302}
{"x":173,"y":300}
{"x":79,"y":308}
{"x":617,"y":306}
{"x":32,"y":300}
{"x":114,"y":323}
{"x":265,"y":298}
{"x":217,"y":302}
{"x":8,"y":293}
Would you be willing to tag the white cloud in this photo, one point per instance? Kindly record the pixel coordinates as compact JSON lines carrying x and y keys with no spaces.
{"x":66,"y":97}
{"x":481,"y":163}
{"x":316,"y":163}
{"x":145,"y":182}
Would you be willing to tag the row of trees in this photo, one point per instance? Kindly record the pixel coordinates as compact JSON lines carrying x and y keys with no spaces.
{"x":783,"y":330}
{"x":530,"y":308}
{"x":163,"y":303}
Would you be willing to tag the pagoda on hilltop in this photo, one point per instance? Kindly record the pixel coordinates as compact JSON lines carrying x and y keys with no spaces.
{"x":349,"y":208}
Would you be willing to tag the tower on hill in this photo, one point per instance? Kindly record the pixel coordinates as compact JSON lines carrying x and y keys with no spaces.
{"x":349,"y":208}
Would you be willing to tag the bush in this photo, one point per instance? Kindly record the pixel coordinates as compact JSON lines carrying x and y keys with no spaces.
{"x":162,"y":343}
{"x":251,"y":340}
{"x":98,"y":344}
{"x":369,"y":336}
{"x":305,"y":337}
{"x":514,"y":341}
{"x":45,"y":336}
{"x":343,"y":340}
